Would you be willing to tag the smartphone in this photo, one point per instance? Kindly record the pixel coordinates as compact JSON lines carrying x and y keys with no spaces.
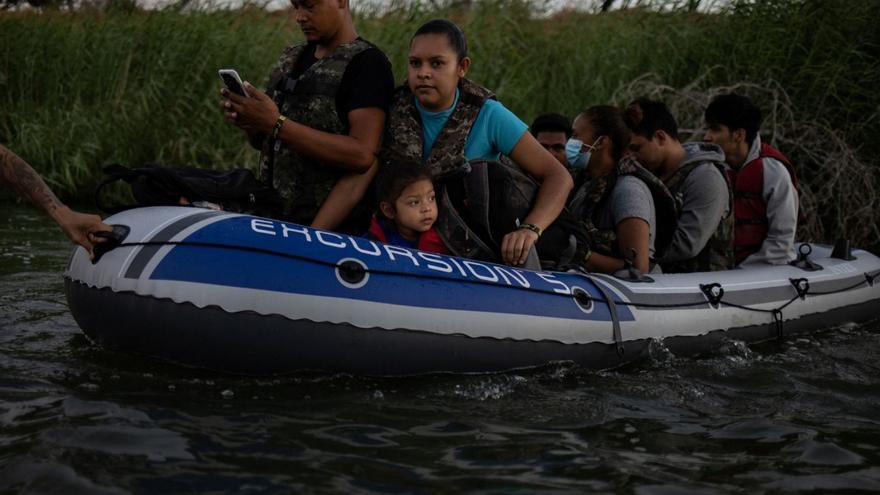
{"x":232,"y":81}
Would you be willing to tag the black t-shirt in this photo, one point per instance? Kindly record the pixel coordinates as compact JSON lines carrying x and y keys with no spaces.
{"x":367,"y":80}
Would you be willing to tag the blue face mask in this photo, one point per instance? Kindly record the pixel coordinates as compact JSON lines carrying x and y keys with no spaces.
{"x":578,"y":159}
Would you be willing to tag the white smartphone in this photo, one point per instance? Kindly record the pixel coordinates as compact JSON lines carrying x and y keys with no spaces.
{"x":232,"y":81}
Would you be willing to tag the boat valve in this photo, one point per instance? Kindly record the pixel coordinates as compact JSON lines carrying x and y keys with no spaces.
{"x":352,"y":273}
{"x":582,"y":298}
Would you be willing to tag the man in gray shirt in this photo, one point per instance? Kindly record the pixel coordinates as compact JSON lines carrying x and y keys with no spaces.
{"x":694,"y":174}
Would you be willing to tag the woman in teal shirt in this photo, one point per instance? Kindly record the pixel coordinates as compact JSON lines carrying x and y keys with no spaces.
{"x":443,"y":120}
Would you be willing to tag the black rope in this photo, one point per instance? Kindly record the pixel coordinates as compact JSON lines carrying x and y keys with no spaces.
{"x":777,"y":320}
{"x":869,"y":278}
{"x":759,"y":310}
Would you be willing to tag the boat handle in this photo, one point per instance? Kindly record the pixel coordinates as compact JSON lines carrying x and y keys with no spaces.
{"x":114,"y":238}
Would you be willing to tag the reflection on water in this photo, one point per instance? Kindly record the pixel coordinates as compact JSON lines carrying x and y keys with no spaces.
{"x":77,"y":419}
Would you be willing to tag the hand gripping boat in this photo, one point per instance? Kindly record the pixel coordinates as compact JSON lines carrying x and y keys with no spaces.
{"x":251,"y":295}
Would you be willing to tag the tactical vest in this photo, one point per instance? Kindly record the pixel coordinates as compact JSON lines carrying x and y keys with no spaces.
{"x":404,"y":138}
{"x":717,"y":254}
{"x":750,"y":209}
{"x":302,"y":182}
{"x":594,"y":194}
{"x":472,"y":215}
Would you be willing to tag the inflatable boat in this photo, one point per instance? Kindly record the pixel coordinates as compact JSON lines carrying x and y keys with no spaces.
{"x":252,"y":295}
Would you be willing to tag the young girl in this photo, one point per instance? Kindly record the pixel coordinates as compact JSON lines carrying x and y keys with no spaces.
{"x":407,"y":208}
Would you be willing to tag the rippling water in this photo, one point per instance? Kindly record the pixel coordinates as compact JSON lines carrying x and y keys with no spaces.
{"x":800,"y":417}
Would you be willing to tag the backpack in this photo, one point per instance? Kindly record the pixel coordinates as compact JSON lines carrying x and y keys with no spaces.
{"x":153,"y":184}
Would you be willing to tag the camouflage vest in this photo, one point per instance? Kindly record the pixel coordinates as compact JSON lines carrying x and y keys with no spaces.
{"x":404,"y":139}
{"x":302,"y":182}
{"x":593,"y":194}
{"x":717,"y":254}
{"x":457,"y":181}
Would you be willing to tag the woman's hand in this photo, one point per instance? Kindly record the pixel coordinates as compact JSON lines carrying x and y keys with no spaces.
{"x":516,"y":245}
{"x":256,"y":113}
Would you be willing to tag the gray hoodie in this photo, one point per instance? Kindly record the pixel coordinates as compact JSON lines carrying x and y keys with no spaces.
{"x":704,"y":199}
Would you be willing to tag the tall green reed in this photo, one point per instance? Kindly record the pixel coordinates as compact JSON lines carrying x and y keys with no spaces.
{"x":79,"y":90}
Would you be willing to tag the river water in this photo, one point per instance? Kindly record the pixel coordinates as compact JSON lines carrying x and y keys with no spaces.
{"x":798,"y":417}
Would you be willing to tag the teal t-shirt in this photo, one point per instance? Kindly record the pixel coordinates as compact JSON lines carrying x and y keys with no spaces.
{"x":496,"y":130}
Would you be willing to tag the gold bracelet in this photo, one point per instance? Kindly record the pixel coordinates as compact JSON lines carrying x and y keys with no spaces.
{"x":532,"y":227}
{"x":278,"y":125}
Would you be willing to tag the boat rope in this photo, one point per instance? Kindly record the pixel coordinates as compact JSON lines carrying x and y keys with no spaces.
{"x":777,"y":320}
{"x":615,"y":321}
{"x":714,"y":292}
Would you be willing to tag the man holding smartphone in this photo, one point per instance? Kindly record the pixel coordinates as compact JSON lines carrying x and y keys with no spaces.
{"x":320,"y":119}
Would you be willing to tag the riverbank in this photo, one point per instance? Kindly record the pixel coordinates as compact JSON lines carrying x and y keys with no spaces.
{"x":84,"y":89}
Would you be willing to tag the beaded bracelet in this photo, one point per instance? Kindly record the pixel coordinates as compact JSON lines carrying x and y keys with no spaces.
{"x":532,"y":227}
{"x":278,"y":125}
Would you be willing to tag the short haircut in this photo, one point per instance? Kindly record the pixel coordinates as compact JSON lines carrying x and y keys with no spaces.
{"x":551,"y":122}
{"x":453,"y":33}
{"x":395,"y":176}
{"x":736,"y":112}
{"x":607,"y":120}
{"x":645,"y":117}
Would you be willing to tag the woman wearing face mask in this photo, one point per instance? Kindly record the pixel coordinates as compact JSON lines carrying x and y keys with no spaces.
{"x":444,"y":120}
{"x":619,"y":201}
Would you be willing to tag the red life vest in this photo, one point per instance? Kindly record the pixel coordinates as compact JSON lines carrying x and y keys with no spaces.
{"x":749,"y":207}
{"x":429,"y":241}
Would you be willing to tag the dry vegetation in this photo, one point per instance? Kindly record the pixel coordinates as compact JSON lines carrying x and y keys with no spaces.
{"x":82,"y":89}
{"x":838,"y":188}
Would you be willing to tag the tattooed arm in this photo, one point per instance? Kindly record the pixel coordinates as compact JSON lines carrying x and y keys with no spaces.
{"x":79,"y":227}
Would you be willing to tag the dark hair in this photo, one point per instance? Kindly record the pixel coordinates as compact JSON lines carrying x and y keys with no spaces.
{"x":644,"y":117}
{"x":395,"y":176}
{"x":607,"y":120}
{"x":736,"y":112}
{"x":551,"y":122}
{"x":453,"y":33}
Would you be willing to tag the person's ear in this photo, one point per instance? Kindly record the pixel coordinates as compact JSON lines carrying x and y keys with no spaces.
{"x":387,"y":209}
{"x":739,"y":135}
{"x":661,"y":137}
{"x":463,"y":66}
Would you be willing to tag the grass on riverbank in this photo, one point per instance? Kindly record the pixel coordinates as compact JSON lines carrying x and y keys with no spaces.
{"x":80,"y":90}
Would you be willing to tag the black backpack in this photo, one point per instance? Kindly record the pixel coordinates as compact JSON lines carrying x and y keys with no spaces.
{"x":153,"y":184}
